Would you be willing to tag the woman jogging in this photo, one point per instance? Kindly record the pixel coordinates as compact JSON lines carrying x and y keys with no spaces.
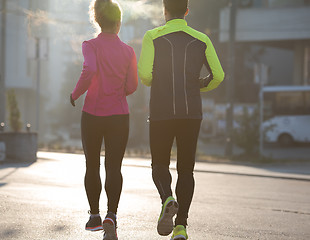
{"x":109,"y":75}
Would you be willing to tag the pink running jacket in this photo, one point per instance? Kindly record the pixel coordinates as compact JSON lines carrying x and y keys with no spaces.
{"x":109,"y":74}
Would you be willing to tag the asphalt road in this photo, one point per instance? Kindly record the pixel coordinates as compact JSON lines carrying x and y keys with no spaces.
{"x":46,"y":200}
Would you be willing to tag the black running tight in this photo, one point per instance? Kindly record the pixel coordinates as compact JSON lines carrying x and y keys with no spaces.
{"x":114,"y":130}
{"x":162,"y":135}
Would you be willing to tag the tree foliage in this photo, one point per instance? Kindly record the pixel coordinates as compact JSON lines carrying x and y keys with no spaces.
{"x":246,"y":135}
{"x":14,"y":113}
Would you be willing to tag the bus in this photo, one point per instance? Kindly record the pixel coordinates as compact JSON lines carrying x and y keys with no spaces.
{"x":285,"y":114}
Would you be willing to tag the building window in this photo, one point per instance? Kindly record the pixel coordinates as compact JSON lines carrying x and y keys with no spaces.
{"x":287,"y":3}
{"x":307,"y":66}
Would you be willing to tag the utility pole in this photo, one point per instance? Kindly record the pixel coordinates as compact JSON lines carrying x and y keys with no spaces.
{"x":231,"y":80}
{"x":2,"y":65}
{"x":38,"y":84}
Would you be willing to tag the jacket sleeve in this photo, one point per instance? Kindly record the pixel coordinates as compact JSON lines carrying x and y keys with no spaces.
{"x":89,"y":70}
{"x":146,"y":61}
{"x":132,"y":76}
{"x":215,"y":67}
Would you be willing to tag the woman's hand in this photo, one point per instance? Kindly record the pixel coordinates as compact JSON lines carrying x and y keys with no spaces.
{"x":72,"y":101}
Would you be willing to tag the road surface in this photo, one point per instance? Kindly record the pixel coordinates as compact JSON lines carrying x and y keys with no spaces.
{"x":45,"y":200}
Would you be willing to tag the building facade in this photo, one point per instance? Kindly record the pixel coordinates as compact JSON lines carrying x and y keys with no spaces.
{"x":272,"y":44}
{"x":277,"y":32}
{"x":23,"y":68}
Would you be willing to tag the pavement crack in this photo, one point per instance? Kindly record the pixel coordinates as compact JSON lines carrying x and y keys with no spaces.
{"x":290,"y":211}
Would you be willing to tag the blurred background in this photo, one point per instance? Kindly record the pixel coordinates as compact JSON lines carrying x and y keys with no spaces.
{"x":261,"y":109}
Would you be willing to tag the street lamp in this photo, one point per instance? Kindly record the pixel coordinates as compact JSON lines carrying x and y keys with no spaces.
{"x":2,"y":67}
{"x":230,"y":84}
{"x":2,"y":125}
{"x":28,"y":126}
{"x":38,"y":83}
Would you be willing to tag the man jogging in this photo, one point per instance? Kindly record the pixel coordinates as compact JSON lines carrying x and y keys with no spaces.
{"x":171,"y":60}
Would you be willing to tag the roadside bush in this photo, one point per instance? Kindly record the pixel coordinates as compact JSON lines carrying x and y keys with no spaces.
{"x":247,"y":135}
{"x":14,"y":113}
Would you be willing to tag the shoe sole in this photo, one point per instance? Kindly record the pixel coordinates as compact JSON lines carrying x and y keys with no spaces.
{"x":98,"y":228}
{"x":179,"y":237}
{"x":109,"y":230}
{"x":165,"y":224}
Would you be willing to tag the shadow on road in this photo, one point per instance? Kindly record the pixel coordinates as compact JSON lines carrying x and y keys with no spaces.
{"x":14,"y":167}
{"x":9,"y":233}
{"x":59,"y":228}
{"x":15,"y":164}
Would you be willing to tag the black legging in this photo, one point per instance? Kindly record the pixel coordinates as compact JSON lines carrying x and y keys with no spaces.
{"x":114,"y":130}
{"x":162,"y":134}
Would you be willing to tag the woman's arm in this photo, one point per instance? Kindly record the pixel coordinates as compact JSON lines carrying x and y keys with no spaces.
{"x":132,"y":76}
{"x":89,"y":70}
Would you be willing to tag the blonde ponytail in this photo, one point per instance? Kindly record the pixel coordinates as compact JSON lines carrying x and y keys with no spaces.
{"x":105,"y":14}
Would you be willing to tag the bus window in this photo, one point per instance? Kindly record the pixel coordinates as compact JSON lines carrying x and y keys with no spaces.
{"x":292,"y":103}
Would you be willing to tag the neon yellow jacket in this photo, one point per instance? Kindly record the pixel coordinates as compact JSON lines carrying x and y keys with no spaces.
{"x":171,"y":60}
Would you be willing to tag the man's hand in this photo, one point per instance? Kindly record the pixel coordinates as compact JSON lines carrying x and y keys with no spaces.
{"x":204,"y":82}
{"x":72,"y":101}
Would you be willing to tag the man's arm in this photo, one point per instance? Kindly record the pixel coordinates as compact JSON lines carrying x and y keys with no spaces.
{"x":146,"y":61}
{"x":214,"y":66}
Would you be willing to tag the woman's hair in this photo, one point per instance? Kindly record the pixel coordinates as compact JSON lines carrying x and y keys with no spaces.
{"x":105,"y":13}
{"x":176,"y":8}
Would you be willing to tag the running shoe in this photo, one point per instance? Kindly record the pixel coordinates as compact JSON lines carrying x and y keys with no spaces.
{"x":165,"y":221}
{"x":94,"y":224}
{"x":179,"y":233}
{"x":109,"y":227}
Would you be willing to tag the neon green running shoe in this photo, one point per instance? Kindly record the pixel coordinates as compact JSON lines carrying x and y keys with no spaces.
{"x":179,"y":233}
{"x":165,"y":221}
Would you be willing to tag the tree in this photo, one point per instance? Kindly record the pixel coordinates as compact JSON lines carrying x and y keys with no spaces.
{"x":14,"y":113}
{"x":246,"y":135}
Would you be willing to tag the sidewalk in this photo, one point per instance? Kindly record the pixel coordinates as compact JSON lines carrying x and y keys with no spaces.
{"x":293,"y":171}
{"x":299,"y":152}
